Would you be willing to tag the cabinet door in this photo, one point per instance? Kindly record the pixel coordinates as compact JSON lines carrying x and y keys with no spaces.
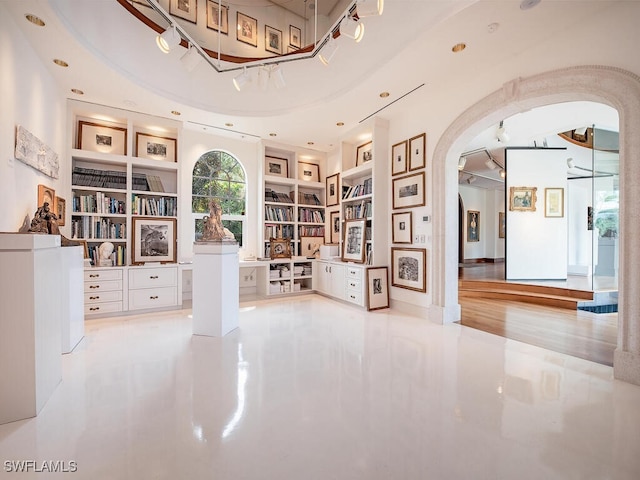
{"x":336,"y":281}
{"x":321,"y":277}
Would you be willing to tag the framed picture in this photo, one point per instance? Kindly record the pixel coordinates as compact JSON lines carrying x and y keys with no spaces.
{"x":46,"y":195}
{"x":280,"y":248}
{"x":185,"y":9}
{"x":309,"y":172}
{"x":310,"y":246}
{"x":402,"y":227}
{"x":102,"y":138}
{"x":502,"y":225}
{"x":154,"y":240}
{"x":364,"y":153}
{"x":276,"y":167}
{"x":334,"y":218}
{"x":408,"y":191}
{"x":417,"y":146}
{"x":354,"y":240}
{"x":399,"y":158}
{"x":473,"y":226}
{"x":377,"y":288}
{"x":554,"y":202}
{"x":272,"y":40}
{"x":217,"y":16}
{"x":333,"y":192}
{"x":247,"y":29}
{"x":409,"y":268}
{"x":295,"y":37}
{"x":155,"y":147}
{"x":589,"y":218}
{"x":523,"y":199}
{"x":61,"y":210}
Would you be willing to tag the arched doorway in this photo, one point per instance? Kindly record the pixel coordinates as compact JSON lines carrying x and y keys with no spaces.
{"x":617,"y":88}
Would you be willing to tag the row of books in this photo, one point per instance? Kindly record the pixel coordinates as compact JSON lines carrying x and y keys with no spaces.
{"x":310,"y":215}
{"x":278,"y":214}
{"x":308,"y":231}
{"x":118,"y":257}
{"x":353,"y":191}
{"x":98,"y":203}
{"x":308,"y":199}
{"x":360,"y":210}
{"x":273,"y":196}
{"x":97,"y":227}
{"x":278,"y":231}
{"x":91,"y":177}
{"x":154,"y":206}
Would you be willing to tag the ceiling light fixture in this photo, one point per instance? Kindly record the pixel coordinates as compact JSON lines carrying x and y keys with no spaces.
{"x":60,"y":63}
{"x":471,"y":179}
{"x":352,"y":28}
{"x":175,"y":112}
{"x":501,"y":133}
{"x":570,"y":162}
{"x":190,"y":59}
{"x":369,"y":8}
{"x":34,"y":19}
{"x":328,"y":51}
{"x":168,"y":39}
{"x":384,"y":94}
{"x":77,"y":91}
{"x":241,"y":80}
{"x":340,"y":124}
{"x":458,"y":47}
{"x":462,"y":161}
{"x":528,"y":4}
{"x":277,"y":76}
{"x":490,"y":164}
{"x":503,"y":173}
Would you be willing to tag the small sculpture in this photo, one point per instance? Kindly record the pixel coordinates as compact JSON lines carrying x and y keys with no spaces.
{"x":105,"y":250}
{"x":213,"y":228}
{"x":45,"y":221}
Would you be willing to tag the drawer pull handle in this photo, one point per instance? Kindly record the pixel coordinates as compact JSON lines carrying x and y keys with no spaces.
{"x":352,"y":284}
{"x":94,"y":298}
{"x":93,"y":309}
{"x":94,"y":286}
{"x":153,"y":277}
{"x":155,"y":297}
{"x":94,"y":275}
{"x":352,"y":297}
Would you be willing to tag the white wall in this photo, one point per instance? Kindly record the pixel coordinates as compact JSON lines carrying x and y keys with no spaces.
{"x":536,"y":245}
{"x":30,"y":98}
{"x":580,"y":245}
{"x":488,"y":203}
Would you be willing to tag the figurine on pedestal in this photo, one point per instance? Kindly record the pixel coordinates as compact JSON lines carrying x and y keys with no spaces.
{"x":45,"y":221}
{"x":213,"y":230}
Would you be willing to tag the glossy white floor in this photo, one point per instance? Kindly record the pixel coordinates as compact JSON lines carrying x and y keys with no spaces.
{"x":309,"y":388}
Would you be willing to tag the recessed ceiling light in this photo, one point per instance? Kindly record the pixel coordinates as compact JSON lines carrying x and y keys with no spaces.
{"x":458,"y":47}
{"x":492,"y":27}
{"x":340,"y":124}
{"x":35,"y":20}
{"x":175,"y":112}
{"x":273,"y":134}
{"x":384,"y":94}
{"x":310,"y":143}
{"x":527,"y":4}
{"x":228,"y":124}
{"x":59,"y":62}
{"x":77,"y":91}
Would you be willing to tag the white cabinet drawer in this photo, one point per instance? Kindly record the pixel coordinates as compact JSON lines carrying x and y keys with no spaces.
{"x":354,"y":273}
{"x":152,"y":298}
{"x":100,"y":275}
{"x":103,"y":286}
{"x":153,"y":277}
{"x":354,"y":284}
{"x":102,"y":308}
{"x":354,"y":296}
{"x":104,"y":296}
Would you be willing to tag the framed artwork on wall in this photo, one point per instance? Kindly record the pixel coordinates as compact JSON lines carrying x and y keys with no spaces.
{"x":354,"y":240}
{"x":295,"y":37}
{"x":417,"y":147}
{"x":310,"y":246}
{"x":473,"y":226}
{"x":502,"y":225}
{"x":154,"y":240}
{"x":217,"y":17}
{"x":409,"y":191}
{"x":334,"y":218}
{"x":402,"y":227}
{"x":333,"y":193}
{"x":377,"y":288}
{"x":61,"y":210}
{"x":272,"y":40}
{"x":46,"y":195}
{"x":523,"y":199}
{"x":309,"y":172}
{"x":409,"y":268}
{"x":399,"y":158}
{"x":364,"y":153}
{"x":246,"y":29}
{"x":155,"y":147}
{"x":277,"y":167}
{"x":554,"y":202}
{"x":185,"y":9}
{"x":102,"y":138}
{"x":280,"y":248}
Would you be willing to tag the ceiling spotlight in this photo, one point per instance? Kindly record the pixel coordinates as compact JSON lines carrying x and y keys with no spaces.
{"x":461,"y":163}
{"x":368,"y":8}
{"x":263,"y":78}
{"x":77,"y":91}
{"x":458,"y":47}
{"x":190,"y":59}
{"x":352,"y":28}
{"x":570,"y":162}
{"x":501,"y":133}
{"x":168,"y":39}
{"x":241,"y":80}
{"x":328,"y":51}
{"x":60,"y":63}
{"x":490,"y":165}
{"x":35,"y":20}
{"x":527,"y":4}
{"x":503,"y":173}
{"x":278,"y":77}
{"x":471,"y":179}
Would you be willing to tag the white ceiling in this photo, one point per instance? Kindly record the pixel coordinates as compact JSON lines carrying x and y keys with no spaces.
{"x":113,"y":58}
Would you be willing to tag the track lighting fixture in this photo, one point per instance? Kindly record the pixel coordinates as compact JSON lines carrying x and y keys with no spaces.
{"x":241,"y":80}
{"x":570,"y":162}
{"x":352,"y":28}
{"x":491,"y":164}
{"x":328,"y":51}
{"x":168,"y":39}
{"x":462,"y":161}
{"x":501,"y":133}
{"x":471,"y":179}
{"x":190,"y":59}
{"x":503,"y":173}
{"x":369,"y":8}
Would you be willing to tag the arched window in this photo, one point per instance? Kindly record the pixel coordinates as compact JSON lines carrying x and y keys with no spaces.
{"x":219,"y":175}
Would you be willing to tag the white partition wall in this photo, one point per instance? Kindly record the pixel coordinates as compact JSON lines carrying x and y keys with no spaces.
{"x":536,"y":246}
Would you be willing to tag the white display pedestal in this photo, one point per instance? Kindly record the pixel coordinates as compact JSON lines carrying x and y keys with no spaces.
{"x":30,"y":319}
{"x":72,"y":305}
{"x":215,"y":288}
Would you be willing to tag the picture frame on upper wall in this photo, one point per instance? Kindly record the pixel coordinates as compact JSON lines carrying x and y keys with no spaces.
{"x":399,"y":158}
{"x":332,"y":190}
{"x":364,"y":153}
{"x":308,"y":172}
{"x":554,"y":202}
{"x":218,"y":17}
{"x":276,"y":167}
{"x":354,"y":240}
{"x":272,"y":40}
{"x":155,"y":147}
{"x":153,"y":240}
{"x":246,"y":29}
{"x":334,"y":225}
{"x":46,"y":195}
{"x":185,"y":9}
{"x":409,"y":191}
{"x":402,"y":227}
{"x":502,"y":225}
{"x":473,"y":226}
{"x":295,"y":37}
{"x":377,"y":288}
{"x":96,"y":137}
{"x":409,"y":268}
{"x":417,"y":155}
{"x":523,"y":199}
{"x":61,"y":210}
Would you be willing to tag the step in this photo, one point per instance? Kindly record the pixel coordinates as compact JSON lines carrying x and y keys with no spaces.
{"x":525,"y":288}
{"x":521,"y":296}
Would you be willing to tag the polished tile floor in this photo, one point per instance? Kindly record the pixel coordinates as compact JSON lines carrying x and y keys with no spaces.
{"x":308,"y":389}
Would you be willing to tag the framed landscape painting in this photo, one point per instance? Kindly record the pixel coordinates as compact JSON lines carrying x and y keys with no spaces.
{"x":523,"y":199}
{"x":409,"y":191}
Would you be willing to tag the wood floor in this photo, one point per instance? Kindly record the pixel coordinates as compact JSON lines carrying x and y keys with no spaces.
{"x":574,"y":332}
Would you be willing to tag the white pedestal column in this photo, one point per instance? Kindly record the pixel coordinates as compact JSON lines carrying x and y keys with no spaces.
{"x":30,"y":320}
{"x":72,"y":284}
{"x":216,"y":301}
